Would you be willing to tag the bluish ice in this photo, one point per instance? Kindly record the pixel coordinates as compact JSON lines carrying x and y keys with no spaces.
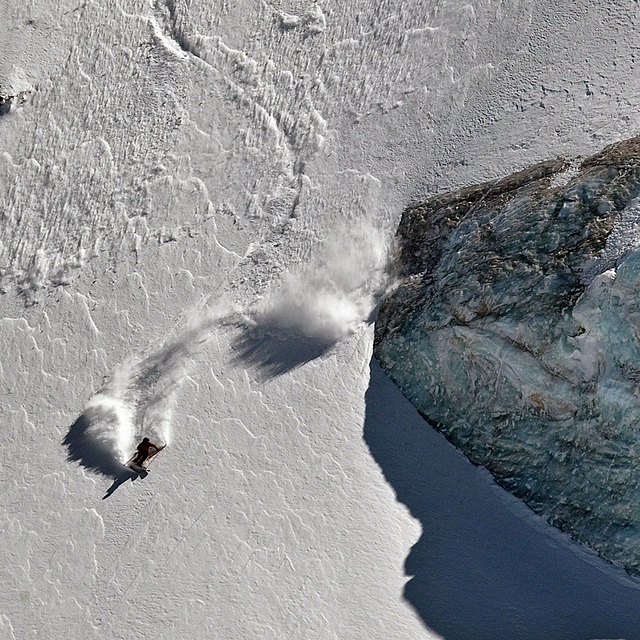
{"x":514,"y":328}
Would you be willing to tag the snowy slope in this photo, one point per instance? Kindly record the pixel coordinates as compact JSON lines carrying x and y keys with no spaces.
{"x":162,"y":167}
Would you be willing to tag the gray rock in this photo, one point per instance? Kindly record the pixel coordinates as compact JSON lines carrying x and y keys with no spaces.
{"x":513,"y":325}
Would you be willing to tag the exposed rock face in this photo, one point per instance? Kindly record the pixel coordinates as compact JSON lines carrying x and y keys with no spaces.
{"x":514,"y":328}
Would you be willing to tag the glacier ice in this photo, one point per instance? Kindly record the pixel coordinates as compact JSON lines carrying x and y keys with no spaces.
{"x":513,"y":325}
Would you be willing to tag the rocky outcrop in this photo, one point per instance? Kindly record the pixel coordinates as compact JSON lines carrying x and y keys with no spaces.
{"x":513,"y":325}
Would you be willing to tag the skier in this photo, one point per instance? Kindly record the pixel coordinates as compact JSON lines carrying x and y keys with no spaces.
{"x":144,"y":451}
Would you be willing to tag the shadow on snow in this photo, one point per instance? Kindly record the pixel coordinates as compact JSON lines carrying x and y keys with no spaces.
{"x":94,"y":455}
{"x":275,"y":352}
{"x":485,"y":566}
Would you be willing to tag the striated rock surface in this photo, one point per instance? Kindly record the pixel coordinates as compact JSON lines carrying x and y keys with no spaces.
{"x":514,"y":328}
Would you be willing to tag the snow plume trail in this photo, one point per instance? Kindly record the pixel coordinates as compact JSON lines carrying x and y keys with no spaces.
{"x":137,"y":400}
{"x":158,"y":378}
{"x":318,"y":304}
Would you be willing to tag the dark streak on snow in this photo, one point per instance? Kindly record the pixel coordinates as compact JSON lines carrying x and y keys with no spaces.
{"x":276,"y":352}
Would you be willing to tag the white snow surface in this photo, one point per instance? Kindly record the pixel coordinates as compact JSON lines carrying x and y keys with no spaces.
{"x":195,"y":200}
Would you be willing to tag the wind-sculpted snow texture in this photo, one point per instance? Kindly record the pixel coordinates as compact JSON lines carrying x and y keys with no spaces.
{"x":515,"y":330}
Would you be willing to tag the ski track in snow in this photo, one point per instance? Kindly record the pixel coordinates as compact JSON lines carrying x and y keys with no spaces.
{"x":136,"y":401}
{"x":315,"y":307}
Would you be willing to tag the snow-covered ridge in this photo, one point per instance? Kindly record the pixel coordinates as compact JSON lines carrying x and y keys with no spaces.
{"x":496,"y":336}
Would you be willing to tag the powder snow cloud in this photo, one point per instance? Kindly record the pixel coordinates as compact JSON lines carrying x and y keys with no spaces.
{"x":329,"y":297}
